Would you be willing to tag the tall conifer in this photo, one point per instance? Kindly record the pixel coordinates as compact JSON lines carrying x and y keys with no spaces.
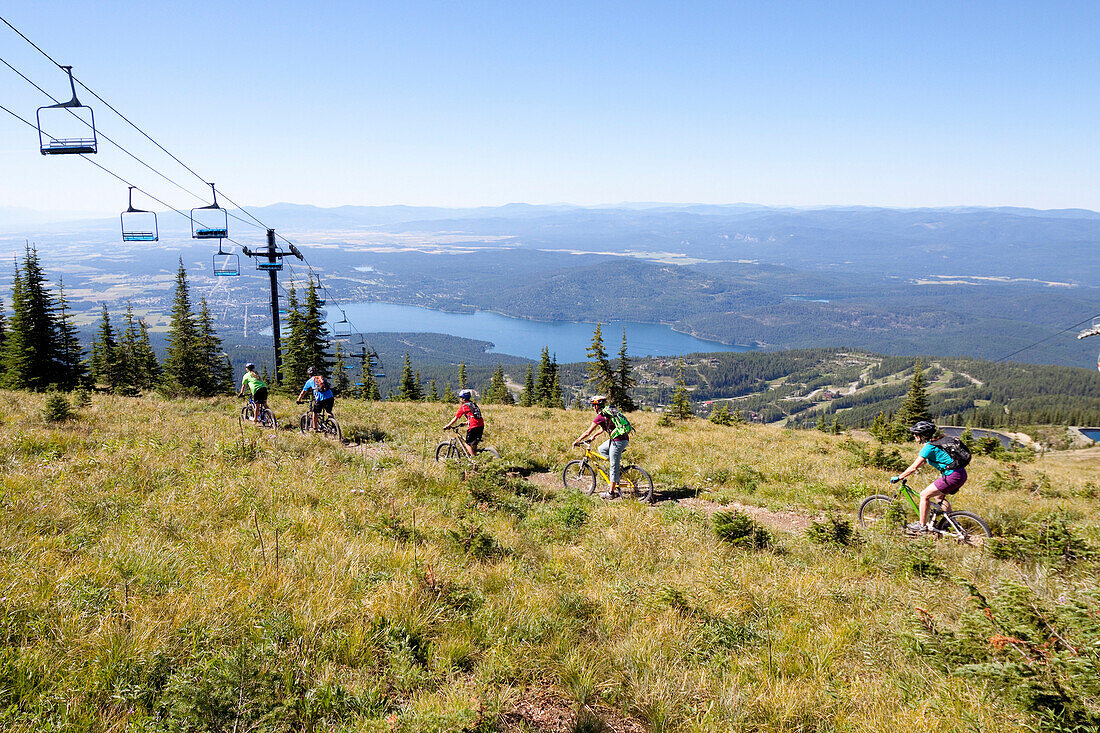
{"x":601,"y":378}
{"x":108,"y":365}
{"x":528,"y":397}
{"x":31,"y":349}
{"x":184,"y":365}
{"x":624,"y":381}
{"x":409,"y":386}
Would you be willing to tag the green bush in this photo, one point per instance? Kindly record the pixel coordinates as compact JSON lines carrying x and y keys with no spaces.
{"x":57,"y":408}
{"x":833,"y":530}
{"x":880,"y":457}
{"x":82,"y":397}
{"x":739,"y":529}
{"x":1049,"y":538}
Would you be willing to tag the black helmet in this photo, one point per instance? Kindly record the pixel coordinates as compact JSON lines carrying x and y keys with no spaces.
{"x":250,"y":366}
{"x":923,"y":428}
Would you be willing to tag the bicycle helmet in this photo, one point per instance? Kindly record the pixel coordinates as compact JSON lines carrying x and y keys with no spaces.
{"x":466,"y":394}
{"x":923,"y":428}
{"x":309,"y":372}
{"x":597,"y":400}
{"x":250,"y":366}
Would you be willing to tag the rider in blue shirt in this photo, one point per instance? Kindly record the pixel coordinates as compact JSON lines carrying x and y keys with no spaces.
{"x":322,"y":395}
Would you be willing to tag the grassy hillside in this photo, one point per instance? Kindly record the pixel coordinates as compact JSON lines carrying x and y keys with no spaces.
{"x":165,"y":568}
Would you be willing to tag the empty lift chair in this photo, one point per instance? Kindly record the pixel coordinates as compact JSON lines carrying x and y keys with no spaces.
{"x":226,"y":264}
{"x":210,"y":222}
{"x":66,"y":128}
{"x":342,"y":329}
{"x":139,"y":225}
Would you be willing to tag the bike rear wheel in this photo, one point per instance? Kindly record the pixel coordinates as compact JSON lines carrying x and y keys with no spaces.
{"x":876,"y":510}
{"x":267,"y":419}
{"x":579,"y":475}
{"x":972,"y":530}
{"x":490,"y":450}
{"x":636,"y":480}
{"x":328,"y":426}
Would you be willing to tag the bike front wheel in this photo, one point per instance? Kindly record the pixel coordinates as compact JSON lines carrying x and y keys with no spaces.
{"x":580,"y":476}
{"x":969,"y":528}
{"x":331,"y":428}
{"x":636,"y":480}
{"x":446,"y":452}
{"x":304,"y":423}
{"x":876,"y":510}
{"x":248,"y":412}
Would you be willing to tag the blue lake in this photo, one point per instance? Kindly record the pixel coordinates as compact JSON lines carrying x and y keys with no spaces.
{"x":522,"y":337}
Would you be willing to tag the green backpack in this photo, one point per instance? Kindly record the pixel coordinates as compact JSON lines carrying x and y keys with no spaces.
{"x":620,"y":426}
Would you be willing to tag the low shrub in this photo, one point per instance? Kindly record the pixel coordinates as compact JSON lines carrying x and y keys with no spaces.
{"x":57,"y":408}
{"x":833,"y":530}
{"x":739,"y":529}
{"x":1049,"y":538}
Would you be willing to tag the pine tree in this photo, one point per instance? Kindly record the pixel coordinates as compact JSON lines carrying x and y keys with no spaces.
{"x":307,"y":337}
{"x":409,"y":386}
{"x":3,"y":337}
{"x":147,"y":367}
{"x":528,"y":397}
{"x":821,"y":424}
{"x":624,"y":381}
{"x":433,"y":393}
{"x":720,"y":415}
{"x":369,"y":389}
{"x":914,"y":407}
{"x":213,"y":358}
{"x":600,"y":375}
{"x":316,"y":334}
{"x":107,"y":358}
{"x":557,"y":399}
{"x":498,"y":388}
{"x":448,"y":394}
{"x":295,"y":362}
{"x":72,"y":367}
{"x":545,"y":380}
{"x":681,"y":398}
{"x":340,"y":380}
{"x":462,"y":376}
{"x":184,"y":365}
{"x":31,"y":348}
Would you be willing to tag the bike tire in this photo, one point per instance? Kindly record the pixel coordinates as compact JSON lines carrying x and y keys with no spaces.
{"x":303,"y":423}
{"x":579,"y":475}
{"x":247,"y":412}
{"x":874,"y":509}
{"x":636,"y":480}
{"x":267,"y":419}
{"x":490,"y":450}
{"x":331,"y":428}
{"x":445,"y":452}
{"x":975,"y":529}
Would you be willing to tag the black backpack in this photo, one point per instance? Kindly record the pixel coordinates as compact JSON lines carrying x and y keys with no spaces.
{"x":960,"y":454}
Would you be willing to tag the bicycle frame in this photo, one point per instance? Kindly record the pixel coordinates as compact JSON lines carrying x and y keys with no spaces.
{"x":597,"y":461}
{"x":943,"y":506}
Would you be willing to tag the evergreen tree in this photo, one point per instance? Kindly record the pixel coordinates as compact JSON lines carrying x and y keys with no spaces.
{"x":31,"y":348}
{"x":462,"y":384}
{"x":340,"y":380}
{"x":3,"y":337}
{"x":720,"y":415}
{"x":498,"y":388}
{"x":545,"y":381}
{"x":409,"y":386}
{"x":836,"y":428}
{"x":184,"y":364}
{"x":215,"y":375}
{"x":108,"y":366}
{"x":528,"y":397}
{"x":369,"y":389}
{"x":433,"y":393}
{"x":915,"y":406}
{"x":681,"y":398}
{"x":72,"y":367}
{"x":557,"y":399}
{"x":316,"y":334}
{"x":307,"y":338}
{"x":624,"y":381}
{"x":600,"y":375}
{"x":147,"y":368}
{"x":295,"y":362}
{"x":448,"y":394}
{"x":821,"y":424}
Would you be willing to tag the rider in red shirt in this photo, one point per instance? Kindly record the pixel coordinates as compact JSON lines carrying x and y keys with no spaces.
{"x":475,"y":425}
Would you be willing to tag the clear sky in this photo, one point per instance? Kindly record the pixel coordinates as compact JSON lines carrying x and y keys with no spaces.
{"x":481,"y":103}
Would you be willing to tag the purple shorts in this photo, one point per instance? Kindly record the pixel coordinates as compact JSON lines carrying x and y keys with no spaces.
{"x":952,"y":482}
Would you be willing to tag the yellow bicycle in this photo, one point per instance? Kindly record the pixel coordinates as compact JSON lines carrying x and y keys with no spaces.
{"x":581,"y":474}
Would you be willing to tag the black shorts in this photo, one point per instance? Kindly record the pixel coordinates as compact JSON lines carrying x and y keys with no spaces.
{"x":323,"y":405}
{"x":473,"y":435}
{"x":260,"y":395}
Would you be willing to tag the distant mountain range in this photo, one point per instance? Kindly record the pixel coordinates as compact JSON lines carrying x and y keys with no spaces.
{"x":966,"y":281}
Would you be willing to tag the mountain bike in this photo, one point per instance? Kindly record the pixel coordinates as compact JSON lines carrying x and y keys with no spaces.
{"x":581,"y":474}
{"x":966,"y":528}
{"x":265,"y":419}
{"x":453,"y":448}
{"x":326,"y":423}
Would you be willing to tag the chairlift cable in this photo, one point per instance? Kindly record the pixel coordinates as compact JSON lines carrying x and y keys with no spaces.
{"x":1048,"y":338}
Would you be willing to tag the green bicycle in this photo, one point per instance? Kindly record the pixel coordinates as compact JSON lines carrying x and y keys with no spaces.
{"x":581,"y":473}
{"x":966,"y":528}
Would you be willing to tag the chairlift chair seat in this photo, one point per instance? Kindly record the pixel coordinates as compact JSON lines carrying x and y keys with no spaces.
{"x":60,"y":118}
{"x":139,"y":225}
{"x":227,"y":265}
{"x":210,"y":222}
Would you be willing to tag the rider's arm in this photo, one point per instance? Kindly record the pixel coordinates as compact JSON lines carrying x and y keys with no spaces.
{"x":913,"y":467}
{"x":587,"y":434}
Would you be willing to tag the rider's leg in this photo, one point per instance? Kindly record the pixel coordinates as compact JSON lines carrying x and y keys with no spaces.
{"x":931,"y":493}
{"x":939,"y":489}
{"x":615,"y":458}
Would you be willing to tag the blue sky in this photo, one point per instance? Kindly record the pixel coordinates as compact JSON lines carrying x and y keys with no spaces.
{"x":481,"y":103}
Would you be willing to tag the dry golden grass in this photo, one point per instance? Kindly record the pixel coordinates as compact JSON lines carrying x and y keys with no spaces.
{"x":165,"y":568}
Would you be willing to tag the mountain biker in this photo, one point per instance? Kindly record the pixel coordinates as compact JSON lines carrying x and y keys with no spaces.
{"x":258,"y":389}
{"x":949,"y":482}
{"x":611,"y":449}
{"x":322,"y":395}
{"x":475,"y":424}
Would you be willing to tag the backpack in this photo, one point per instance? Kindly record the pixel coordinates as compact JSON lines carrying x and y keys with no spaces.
{"x":960,"y":455}
{"x":319,"y":384}
{"x":620,"y":426}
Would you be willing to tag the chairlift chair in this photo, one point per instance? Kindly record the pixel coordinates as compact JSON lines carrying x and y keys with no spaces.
{"x":65,"y":132}
{"x":210,"y":222}
{"x":226,"y":264}
{"x":342,"y":329}
{"x":139,"y":225}
{"x":269,"y":266}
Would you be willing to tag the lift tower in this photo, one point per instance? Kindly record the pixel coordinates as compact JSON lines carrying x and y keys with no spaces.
{"x":271,"y":260}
